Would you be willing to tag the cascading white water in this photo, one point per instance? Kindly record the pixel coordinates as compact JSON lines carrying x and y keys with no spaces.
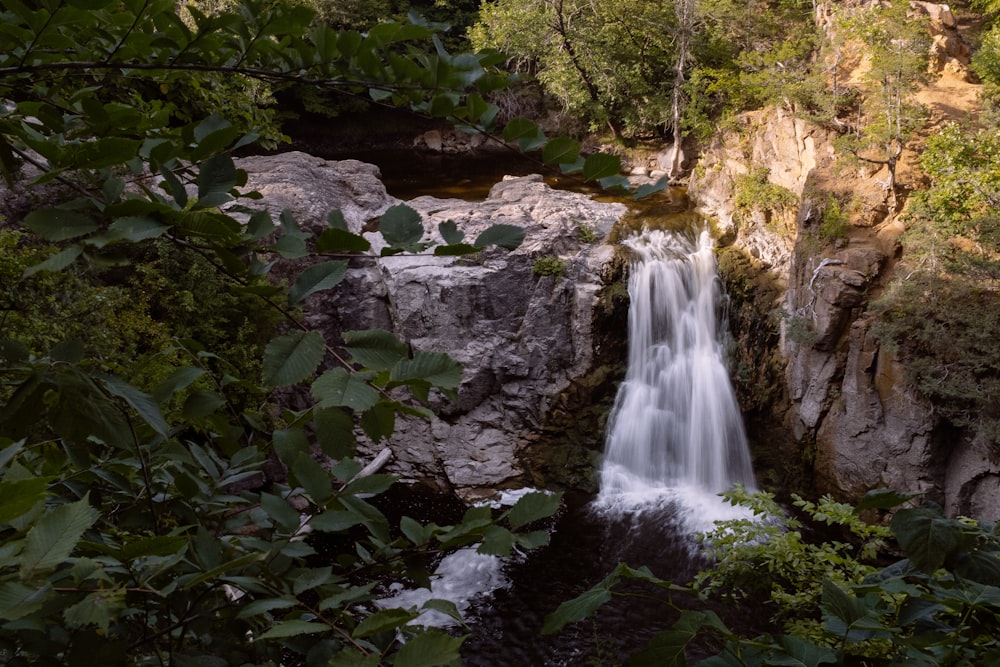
{"x":676,"y":427}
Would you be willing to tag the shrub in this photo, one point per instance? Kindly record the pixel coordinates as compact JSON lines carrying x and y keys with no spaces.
{"x":549,"y":265}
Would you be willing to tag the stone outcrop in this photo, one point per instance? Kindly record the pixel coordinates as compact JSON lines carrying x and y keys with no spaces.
{"x":851,"y":417}
{"x":521,"y":337}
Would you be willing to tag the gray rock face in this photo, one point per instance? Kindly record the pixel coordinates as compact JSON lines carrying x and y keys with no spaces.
{"x":521,"y":337}
{"x":850,"y":413}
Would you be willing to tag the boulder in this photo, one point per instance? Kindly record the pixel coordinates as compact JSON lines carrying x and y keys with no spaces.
{"x":521,"y":337}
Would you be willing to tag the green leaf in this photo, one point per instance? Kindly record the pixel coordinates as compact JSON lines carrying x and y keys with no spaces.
{"x":18,"y":600}
{"x":17,"y":497}
{"x":341,"y":240}
{"x":456,"y":250}
{"x":503,"y":235}
{"x":532,"y":507}
{"x":334,"y":429}
{"x":430,"y":648}
{"x":601,"y":165}
{"x":379,"y":421}
{"x":376,"y":349}
{"x":59,"y":224}
{"x":292,"y":358}
{"x":142,"y":403}
{"x":927,"y":537}
{"x":436,"y":368}
{"x":51,"y":541}
{"x":293,"y":629}
{"x":369,"y":484}
{"x":450,"y":232}
{"x":317,"y":278}
{"x":380,"y":621}
{"x":338,"y":387}
{"x":98,"y":608}
{"x":576,"y":609}
{"x":883,"y":499}
{"x":136,"y":228}
{"x":179,"y":379}
{"x":520,"y":128}
{"x":259,"y":607}
{"x":401,"y":226}
{"x":56,"y":262}
{"x":669,"y":646}
{"x":561,"y":150}
{"x":309,"y":474}
{"x":280,"y":512}
{"x":497,"y":541}
{"x":200,"y":404}
{"x":649,"y":188}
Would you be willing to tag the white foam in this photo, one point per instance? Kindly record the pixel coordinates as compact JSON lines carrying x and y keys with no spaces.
{"x":461,"y":577}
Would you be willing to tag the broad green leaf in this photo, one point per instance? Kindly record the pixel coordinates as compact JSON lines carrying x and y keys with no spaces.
{"x":616,"y":182}
{"x":576,"y":609}
{"x":335,"y":521}
{"x":520,"y":128}
{"x":351,"y":657}
{"x":259,"y":607}
{"x":601,"y":165}
{"x":457,"y":250}
{"x":503,"y":235}
{"x":497,"y":541}
{"x":401,"y":226}
{"x":338,"y":387}
{"x":561,"y":150}
{"x":649,"y":188}
{"x":59,"y":224}
{"x":142,"y":403}
{"x":316,"y":278}
{"x":838,"y":604}
{"x":56,"y":262}
{"x":380,"y":621}
{"x":293,"y":629}
{"x":379,"y":421}
{"x":376,"y":349}
{"x":446,"y":607}
{"x":17,"y":600}
{"x":136,"y":228}
{"x":309,"y":474}
{"x":200,"y":404}
{"x":51,"y":541}
{"x":532,"y":507}
{"x":430,"y":648}
{"x":98,"y":608}
{"x":927,"y":537}
{"x":450,"y":232}
{"x":280,"y":512}
{"x":805,"y":653}
{"x":181,"y":378}
{"x":340,"y":240}
{"x":334,"y":429}
{"x":669,"y":646}
{"x":436,"y":368}
{"x":883,"y":499}
{"x":292,"y":358}
{"x":104,"y":152}
{"x":157,"y":545}
{"x":17,"y":497}
{"x":369,"y":484}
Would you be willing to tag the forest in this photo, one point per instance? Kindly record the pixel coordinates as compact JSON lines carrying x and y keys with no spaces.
{"x":154,"y":369}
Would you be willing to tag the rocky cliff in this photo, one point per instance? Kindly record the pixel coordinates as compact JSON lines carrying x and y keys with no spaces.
{"x":849,"y":419}
{"x":523,"y":331}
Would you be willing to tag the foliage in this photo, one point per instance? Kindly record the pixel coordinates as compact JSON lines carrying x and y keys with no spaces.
{"x":549,"y":265}
{"x":834,"y":225}
{"x":897,"y":44}
{"x":755,"y":193}
{"x":937,"y":318}
{"x":606,"y":62}
{"x":139,"y":517}
{"x":622,"y":63}
{"x":937,"y":606}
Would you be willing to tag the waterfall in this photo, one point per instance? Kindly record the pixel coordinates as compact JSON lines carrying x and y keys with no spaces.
{"x":676,"y":427}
